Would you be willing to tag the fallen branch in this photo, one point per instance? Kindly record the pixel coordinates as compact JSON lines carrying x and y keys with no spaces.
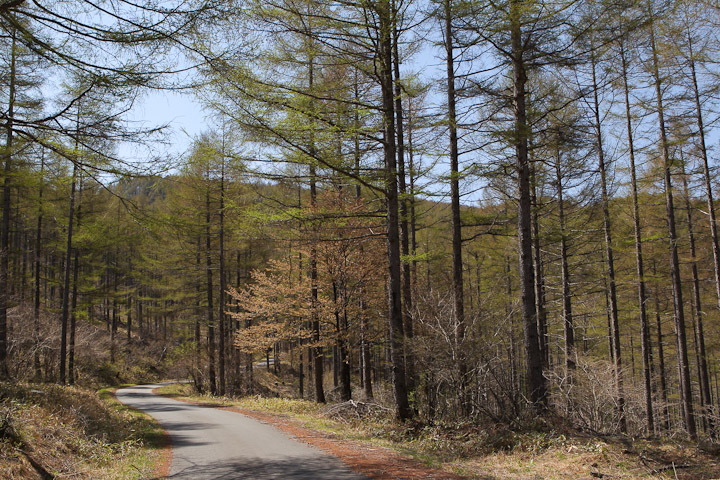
{"x":37,"y":466}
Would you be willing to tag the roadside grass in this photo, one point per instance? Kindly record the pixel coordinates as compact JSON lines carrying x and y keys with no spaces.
{"x":487,"y":451}
{"x":48,"y":431}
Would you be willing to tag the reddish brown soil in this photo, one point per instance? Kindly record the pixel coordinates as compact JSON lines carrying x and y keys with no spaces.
{"x":371,"y":461}
{"x":374,"y":462}
{"x":162,"y":469}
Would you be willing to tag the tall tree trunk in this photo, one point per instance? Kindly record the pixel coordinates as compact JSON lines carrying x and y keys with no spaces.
{"x":114,"y":320}
{"x":705,"y":378}
{"x":129,"y":316}
{"x":316,"y":351}
{"x":535,"y":379}
{"x":569,"y":327}
{"x":683,"y":364}
{"x":395,"y":317}
{"x":73,"y":321}
{"x":342,"y":343}
{"x":23,"y":271}
{"x":73,"y":306}
{"x":208,"y":270}
{"x":511,"y":316}
{"x":221,"y":276}
{"x":704,"y":386}
{"x":639,"y":268}
{"x":413,"y":217}
{"x":609,"y":258}
{"x":365,"y":362}
{"x":198,"y":303}
{"x":407,"y":299}
{"x":661,"y":357}
{"x":457,"y":262}
{"x":6,"y":211}
{"x":38,"y":253}
{"x":540,"y":308}
{"x":66,"y":282}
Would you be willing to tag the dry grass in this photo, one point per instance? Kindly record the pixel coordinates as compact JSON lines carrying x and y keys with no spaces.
{"x":47,"y":431}
{"x":492,"y":451}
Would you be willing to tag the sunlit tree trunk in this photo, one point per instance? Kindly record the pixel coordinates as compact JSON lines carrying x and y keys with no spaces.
{"x":540,"y":309}
{"x":704,"y":376}
{"x":609,"y":257}
{"x":457,"y":262}
{"x":536,"y":383}
{"x":639,"y":268}
{"x":681,"y":338}
{"x":73,"y":306}
{"x":395,"y":318}
{"x":208,"y":272}
{"x":221,"y":279}
{"x":407,"y":299}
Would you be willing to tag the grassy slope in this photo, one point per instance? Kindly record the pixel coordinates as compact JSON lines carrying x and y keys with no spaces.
{"x":49,"y":431}
{"x":492,"y":452}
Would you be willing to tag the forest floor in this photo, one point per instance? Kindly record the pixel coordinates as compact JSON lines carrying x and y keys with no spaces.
{"x":48,"y":432}
{"x":365,"y":437}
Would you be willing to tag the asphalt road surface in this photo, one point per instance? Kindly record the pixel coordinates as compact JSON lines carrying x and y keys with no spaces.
{"x":208,"y":443}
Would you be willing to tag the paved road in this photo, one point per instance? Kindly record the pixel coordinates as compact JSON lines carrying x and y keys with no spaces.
{"x":208,"y":443}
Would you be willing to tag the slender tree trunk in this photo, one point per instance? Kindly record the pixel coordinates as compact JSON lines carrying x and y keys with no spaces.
{"x":342,"y":344}
{"x":535,"y":379}
{"x":511,"y":316}
{"x":129,"y":317}
{"x":6,"y":211}
{"x":38,"y":253}
{"x":457,"y":262}
{"x":639,"y":267}
{"x":705,"y":378}
{"x":612,"y":289}
{"x":395,"y":317}
{"x":704,"y":386}
{"x":208,"y":270}
{"x":66,"y":282}
{"x":114,"y":320}
{"x":73,"y":322}
{"x":73,"y":306}
{"x":24,"y":248}
{"x":540,"y":309}
{"x":683,"y":364}
{"x":366,"y":373}
{"x":317,"y":351}
{"x":221,"y":283}
{"x":198,"y":342}
{"x":413,"y":217}
{"x":661,"y":359}
{"x":407,"y":299}
{"x":569,"y":327}
{"x":139,"y":303}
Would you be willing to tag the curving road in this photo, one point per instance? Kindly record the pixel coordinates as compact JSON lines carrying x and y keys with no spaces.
{"x":208,"y":443}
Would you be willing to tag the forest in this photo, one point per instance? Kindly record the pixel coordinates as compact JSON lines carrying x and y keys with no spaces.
{"x":462,"y":210}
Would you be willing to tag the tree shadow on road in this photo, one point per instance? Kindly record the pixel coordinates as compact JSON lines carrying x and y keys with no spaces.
{"x":325,"y":468}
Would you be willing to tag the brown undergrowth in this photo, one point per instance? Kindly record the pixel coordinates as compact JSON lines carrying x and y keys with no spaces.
{"x":365,"y":437}
{"x":48,"y":431}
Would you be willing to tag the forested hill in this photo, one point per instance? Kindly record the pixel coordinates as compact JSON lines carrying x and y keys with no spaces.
{"x":477,"y":213}
{"x":146,"y":292}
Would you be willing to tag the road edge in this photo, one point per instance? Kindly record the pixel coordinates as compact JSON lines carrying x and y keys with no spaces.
{"x":162,"y":470}
{"x":370,"y":461}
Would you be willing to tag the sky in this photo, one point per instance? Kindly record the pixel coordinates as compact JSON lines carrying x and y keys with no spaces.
{"x":180,"y":111}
